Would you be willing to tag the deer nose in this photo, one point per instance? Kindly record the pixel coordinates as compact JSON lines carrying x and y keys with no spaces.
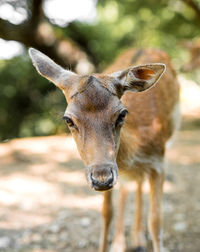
{"x":102,"y":177}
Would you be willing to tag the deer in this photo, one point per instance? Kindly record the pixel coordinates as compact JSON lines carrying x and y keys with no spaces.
{"x":121,"y":121}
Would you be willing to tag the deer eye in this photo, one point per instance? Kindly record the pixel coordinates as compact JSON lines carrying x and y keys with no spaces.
{"x":121,"y":118}
{"x":68,"y":121}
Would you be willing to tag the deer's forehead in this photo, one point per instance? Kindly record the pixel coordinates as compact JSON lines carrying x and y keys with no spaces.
{"x":95,"y":98}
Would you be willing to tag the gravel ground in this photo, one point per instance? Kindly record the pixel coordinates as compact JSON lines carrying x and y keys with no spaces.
{"x":46,"y":205}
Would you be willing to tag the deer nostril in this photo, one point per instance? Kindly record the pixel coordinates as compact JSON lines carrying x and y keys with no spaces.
{"x":101,"y":182}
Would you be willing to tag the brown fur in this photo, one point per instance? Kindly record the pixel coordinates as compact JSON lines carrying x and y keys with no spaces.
{"x":149,"y":122}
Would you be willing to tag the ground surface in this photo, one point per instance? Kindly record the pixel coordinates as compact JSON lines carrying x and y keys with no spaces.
{"x":46,"y":205}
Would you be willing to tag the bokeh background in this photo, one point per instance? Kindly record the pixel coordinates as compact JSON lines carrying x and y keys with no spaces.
{"x":84,"y":36}
{"x":45,"y":203}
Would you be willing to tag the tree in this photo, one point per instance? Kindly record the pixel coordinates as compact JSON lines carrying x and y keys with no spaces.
{"x":78,"y":40}
{"x":37,"y":31}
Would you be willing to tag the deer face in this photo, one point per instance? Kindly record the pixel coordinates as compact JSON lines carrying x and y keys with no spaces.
{"x":95,"y":117}
{"x":95,"y":113}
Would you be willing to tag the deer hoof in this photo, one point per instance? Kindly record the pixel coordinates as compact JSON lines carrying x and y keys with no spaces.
{"x":138,"y":249}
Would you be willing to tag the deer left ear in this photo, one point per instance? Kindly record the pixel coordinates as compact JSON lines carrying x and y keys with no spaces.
{"x":140,"y":78}
{"x":49,"y":69}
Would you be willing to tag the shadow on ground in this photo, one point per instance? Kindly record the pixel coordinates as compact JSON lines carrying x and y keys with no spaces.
{"x":46,"y":205}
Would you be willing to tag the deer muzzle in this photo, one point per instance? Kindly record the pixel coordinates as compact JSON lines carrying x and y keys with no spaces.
{"x":102,"y":177}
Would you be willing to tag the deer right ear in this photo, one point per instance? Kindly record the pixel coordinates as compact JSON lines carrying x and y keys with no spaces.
{"x":140,"y":78}
{"x":49,"y":69}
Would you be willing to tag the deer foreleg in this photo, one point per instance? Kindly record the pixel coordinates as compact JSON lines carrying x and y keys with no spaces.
{"x":119,"y":243}
{"x":155,"y":220}
{"x":107,"y":217}
{"x":138,"y":235}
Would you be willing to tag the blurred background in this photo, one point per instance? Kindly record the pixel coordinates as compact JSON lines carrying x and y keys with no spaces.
{"x":84,"y":36}
{"x":45,"y":203}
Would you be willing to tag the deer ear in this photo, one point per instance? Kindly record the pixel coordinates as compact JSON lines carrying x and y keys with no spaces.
{"x":141,"y":78}
{"x":49,"y":69}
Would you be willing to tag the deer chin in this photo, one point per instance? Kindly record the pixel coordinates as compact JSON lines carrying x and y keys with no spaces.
{"x":102,"y":177}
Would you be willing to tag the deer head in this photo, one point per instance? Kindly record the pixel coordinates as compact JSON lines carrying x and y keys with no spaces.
{"x":95,"y":114}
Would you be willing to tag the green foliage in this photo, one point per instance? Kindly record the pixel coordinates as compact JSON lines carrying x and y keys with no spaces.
{"x":132,"y":23}
{"x":30,"y":105}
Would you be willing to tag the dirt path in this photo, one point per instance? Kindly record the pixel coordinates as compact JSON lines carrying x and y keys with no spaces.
{"x":46,"y":205}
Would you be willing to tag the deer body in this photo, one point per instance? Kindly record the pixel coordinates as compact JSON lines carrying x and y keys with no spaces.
{"x":150,"y":122}
{"x":95,"y":115}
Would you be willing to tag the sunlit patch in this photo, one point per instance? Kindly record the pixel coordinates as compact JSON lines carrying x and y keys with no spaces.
{"x":10,"y":49}
{"x":32,"y":193}
{"x":41,"y":169}
{"x":67,"y":11}
{"x":57,"y":146}
{"x":46,"y":177}
{"x":3,"y":150}
{"x":75,"y":178}
{"x":22,"y":219}
{"x":42,"y":250}
{"x":89,"y":202}
{"x":14,"y":188}
{"x":14,"y":15}
{"x":189,"y":95}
